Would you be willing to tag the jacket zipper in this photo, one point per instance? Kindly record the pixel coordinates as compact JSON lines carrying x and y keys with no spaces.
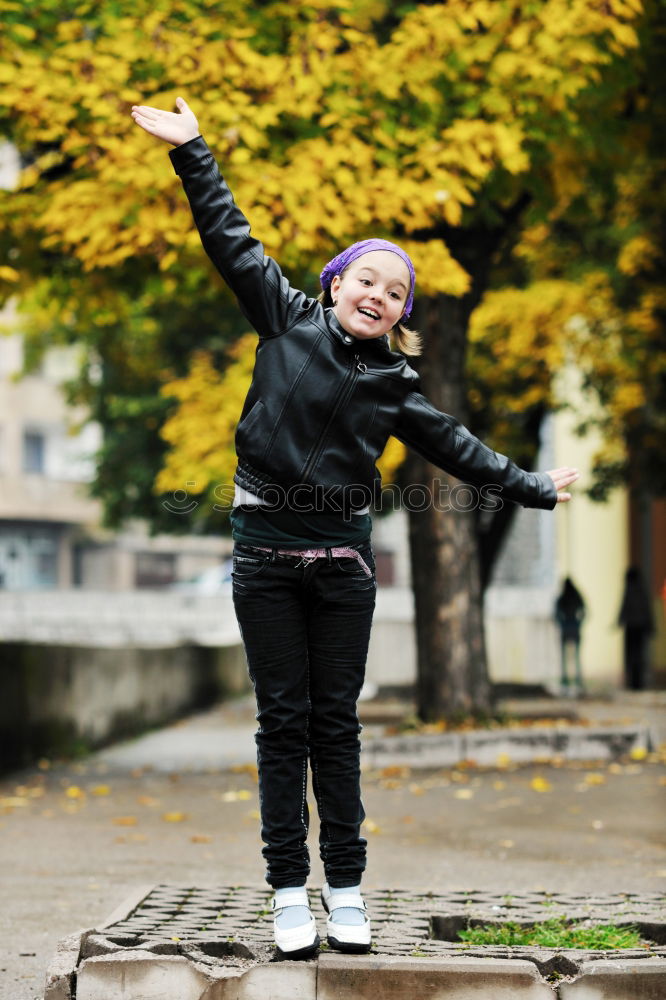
{"x":344,"y":395}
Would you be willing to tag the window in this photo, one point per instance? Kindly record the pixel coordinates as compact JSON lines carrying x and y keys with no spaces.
{"x":154,"y":569}
{"x":33,"y":452}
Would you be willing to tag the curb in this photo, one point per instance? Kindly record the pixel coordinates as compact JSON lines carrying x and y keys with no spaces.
{"x":488,"y":747}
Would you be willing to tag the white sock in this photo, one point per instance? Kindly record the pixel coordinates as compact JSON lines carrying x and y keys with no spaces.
{"x":348,"y":914}
{"x":293,"y":916}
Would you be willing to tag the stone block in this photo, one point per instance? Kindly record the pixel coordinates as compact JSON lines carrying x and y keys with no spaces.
{"x":59,"y":983}
{"x":369,"y":978}
{"x":643,"y":979}
{"x":138,"y":975}
{"x":276,"y":981}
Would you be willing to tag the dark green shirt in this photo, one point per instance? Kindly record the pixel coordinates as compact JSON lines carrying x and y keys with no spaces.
{"x":290,"y":530}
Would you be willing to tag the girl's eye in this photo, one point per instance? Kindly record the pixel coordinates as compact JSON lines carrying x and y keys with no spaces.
{"x":364,"y":281}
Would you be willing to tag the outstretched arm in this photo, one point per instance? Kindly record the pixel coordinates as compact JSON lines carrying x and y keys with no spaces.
{"x":264,"y":294}
{"x":444,"y":441}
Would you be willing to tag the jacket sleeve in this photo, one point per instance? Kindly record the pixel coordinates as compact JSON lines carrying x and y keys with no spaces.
{"x":265,"y":296}
{"x":442,"y":440}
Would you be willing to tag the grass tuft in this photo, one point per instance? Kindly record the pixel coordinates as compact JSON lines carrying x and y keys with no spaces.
{"x":555,"y":933}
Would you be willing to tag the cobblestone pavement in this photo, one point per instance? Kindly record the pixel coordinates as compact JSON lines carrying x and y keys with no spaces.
{"x":76,"y":839}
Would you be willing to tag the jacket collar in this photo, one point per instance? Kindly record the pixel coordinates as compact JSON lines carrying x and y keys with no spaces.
{"x":348,"y":340}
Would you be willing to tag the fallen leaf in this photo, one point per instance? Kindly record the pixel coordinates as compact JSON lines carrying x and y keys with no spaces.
{"x":250,"y":769}
{"x":125,"y":820}
{"x":200,"y":838}
{"x":406,"y":819}
{"x":390,"y":784}
{"x":506,"y":843}
{"x":370,"y":826}
{"x":499,"y":785}
{"x":174,"y":817}
{"x":595,"y":778}
{"x":597,"y":824}
{"x":253,"y":814}
{"x":502,"y":760}
{"x":14,"y":801}
{"x":416,"y":789}
{"x":239,"y":796}
{"x":539,"y":784}
{"x":100,"y":790}
{"x":147,"y":800}
{"x":463,"y":793}
{"x":396,"y":771}
{"x":74,"y":792}
{"x":638,"y":753}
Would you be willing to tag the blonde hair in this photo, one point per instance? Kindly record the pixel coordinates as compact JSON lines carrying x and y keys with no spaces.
{"x":407,"y":341}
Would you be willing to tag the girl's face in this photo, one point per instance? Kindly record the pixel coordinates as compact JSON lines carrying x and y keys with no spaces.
{"x":370,"y":295}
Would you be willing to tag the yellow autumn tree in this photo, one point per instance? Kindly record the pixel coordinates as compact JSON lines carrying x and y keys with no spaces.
{"x":448,"y":126}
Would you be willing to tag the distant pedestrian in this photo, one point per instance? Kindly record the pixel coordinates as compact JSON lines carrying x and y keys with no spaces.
{"x":569,"y":614}
{"x":637,"y":620}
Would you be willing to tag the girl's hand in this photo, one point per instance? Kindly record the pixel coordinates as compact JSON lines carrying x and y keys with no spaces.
{"x":562,"y":478}
{"x":174,"y":127}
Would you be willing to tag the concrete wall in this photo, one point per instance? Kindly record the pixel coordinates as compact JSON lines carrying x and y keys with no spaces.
{"x":58,"y":699}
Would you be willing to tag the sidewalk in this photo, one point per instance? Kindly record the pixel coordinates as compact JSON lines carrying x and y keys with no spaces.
{"x":179,"y":806}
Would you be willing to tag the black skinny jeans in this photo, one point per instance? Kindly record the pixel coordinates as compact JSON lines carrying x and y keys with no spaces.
{"x":306,"y":630}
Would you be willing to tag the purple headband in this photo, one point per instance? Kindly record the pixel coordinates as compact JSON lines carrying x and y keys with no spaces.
{"x":344,"y":259}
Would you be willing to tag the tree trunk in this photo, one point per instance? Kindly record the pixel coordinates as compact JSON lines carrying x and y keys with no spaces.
{"x":452,"y":670}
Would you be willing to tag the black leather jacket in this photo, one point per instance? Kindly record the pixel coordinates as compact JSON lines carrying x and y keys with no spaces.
{"x":322,"y":404}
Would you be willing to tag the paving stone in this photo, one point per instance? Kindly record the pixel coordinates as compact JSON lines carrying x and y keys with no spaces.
{"x":343,"y":977}
{"x":618,"y":980}
{"x":211,"y":939}
{"x":138,"y":973}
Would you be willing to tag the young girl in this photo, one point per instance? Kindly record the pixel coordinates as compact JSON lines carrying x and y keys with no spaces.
{"x":327,"y":391}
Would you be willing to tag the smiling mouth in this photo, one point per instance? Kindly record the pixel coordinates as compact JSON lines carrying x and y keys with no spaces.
{"x":370,"y":313}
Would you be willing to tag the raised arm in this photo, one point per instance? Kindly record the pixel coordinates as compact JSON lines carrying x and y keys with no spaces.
{"x":444,"y":441}
{"x":264,"y":294}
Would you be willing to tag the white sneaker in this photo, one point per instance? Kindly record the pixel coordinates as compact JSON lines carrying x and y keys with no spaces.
{"x":346,"y":937}
{"x":295,"y":942}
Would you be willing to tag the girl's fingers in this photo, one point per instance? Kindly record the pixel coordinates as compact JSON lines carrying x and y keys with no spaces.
{"x":145,"y":123}
{"x":148,"y":112}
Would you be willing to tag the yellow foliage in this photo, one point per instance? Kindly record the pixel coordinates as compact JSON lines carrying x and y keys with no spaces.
{"x":202,"y":426}
{"x":639,"y":254}
{"x":327,"y":134}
